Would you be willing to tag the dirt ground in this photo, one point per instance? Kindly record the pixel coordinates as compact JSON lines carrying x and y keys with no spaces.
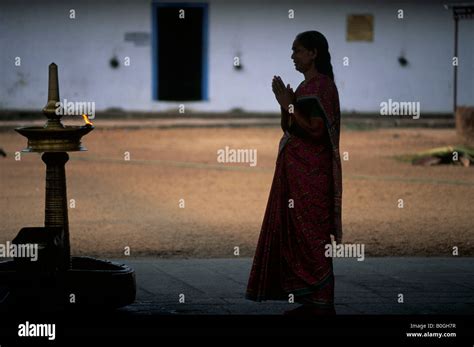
{"x":135,"y":203}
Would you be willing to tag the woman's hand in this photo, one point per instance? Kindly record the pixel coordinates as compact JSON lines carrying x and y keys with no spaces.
{"x":284,"y":95}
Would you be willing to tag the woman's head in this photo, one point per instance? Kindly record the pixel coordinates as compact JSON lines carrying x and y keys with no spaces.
{"x":311,"y":48}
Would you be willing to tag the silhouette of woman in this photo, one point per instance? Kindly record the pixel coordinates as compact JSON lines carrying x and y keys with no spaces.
{"x":304,"y":206}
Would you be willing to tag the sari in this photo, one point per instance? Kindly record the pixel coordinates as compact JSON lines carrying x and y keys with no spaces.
{"x":304,"y":206}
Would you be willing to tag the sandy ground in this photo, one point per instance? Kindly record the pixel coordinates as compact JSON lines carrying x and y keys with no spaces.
{"x":135,"y":203}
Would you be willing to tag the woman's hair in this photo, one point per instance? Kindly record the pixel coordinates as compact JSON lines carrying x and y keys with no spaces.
{"x":314,"y":40}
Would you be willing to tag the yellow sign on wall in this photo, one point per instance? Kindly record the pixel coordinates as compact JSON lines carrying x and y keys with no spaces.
{"x":360,"y":27}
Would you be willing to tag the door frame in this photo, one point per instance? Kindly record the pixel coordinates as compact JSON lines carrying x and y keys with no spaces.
{"x":155,"y":54}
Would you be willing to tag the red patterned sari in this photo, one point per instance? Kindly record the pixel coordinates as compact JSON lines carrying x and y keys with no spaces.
{"x":304,"y":206}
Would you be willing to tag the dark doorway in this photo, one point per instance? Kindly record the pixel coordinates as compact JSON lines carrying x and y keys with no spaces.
{"x":180,"y":46}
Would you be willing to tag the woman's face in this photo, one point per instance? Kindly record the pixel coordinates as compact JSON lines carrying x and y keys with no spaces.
{"x":302,"y":57}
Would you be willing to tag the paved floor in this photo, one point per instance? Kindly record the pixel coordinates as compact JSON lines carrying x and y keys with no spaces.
{"x":372,"y":286}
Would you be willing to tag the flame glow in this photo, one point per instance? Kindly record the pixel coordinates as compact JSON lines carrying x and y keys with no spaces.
{"x":86,"y":119}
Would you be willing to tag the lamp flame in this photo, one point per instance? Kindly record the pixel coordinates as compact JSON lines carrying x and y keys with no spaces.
{"x":86,"y":119}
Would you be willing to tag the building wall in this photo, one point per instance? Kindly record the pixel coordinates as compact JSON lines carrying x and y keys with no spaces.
{"x":259,"y":32}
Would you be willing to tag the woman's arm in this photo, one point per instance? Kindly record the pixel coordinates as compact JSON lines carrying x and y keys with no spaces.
{"x":314,"y":126}
{"x":285,"y":120}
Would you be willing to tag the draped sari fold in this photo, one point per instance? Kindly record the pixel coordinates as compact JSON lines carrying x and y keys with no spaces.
{"x":303,"y":208}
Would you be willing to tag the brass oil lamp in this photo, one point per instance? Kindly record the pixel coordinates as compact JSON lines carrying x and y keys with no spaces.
{"x":56,"y":277}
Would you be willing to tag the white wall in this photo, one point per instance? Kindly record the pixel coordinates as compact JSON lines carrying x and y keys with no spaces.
{"x":41,"y":32}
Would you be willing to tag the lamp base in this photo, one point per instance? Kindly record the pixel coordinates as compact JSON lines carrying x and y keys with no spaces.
{"x":89,"y":284}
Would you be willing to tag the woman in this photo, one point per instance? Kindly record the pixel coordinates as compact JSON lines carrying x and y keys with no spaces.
{"x":304,"y":206}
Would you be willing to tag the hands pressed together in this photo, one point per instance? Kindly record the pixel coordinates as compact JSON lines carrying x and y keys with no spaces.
{"x":284,"y":95}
